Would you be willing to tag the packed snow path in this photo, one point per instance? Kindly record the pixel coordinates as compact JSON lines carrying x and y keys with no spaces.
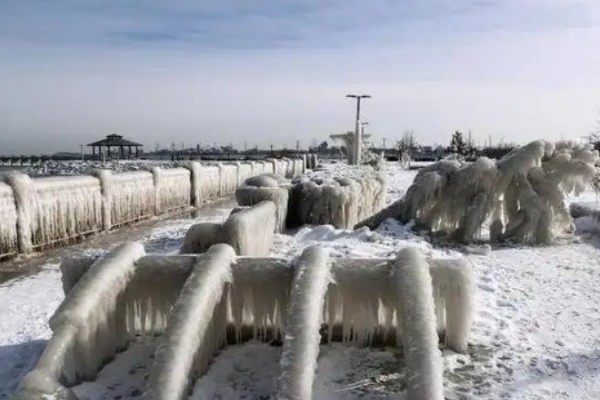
{"x":534,"y":336}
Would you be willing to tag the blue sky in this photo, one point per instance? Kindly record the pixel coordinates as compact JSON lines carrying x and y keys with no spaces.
{"x":272,"y":72}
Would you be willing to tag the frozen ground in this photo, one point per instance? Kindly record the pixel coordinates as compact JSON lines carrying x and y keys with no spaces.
{"x":535,"y":333}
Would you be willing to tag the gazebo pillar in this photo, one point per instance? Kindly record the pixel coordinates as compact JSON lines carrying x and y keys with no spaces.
{"x":108,"y":150}
{"x":137,"y":151}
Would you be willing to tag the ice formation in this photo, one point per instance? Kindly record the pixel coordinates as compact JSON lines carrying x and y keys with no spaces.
{"x":210,"y":182}
{"x":55,"y":209}
{"x":319,"y":199}
{"x":173,"y":189}
{"x":302,"y":338}
{"x":196,"y":328}
{"x":8,"y":222}
{"x":522,"y":195}
{"x":453,"y":292}
{"x":201,"y":302}
{"x":130,"y":197}
{"x":89,"y":327}
{"x":249,"y":230}
{"x":266,"y":187}
{"x":245,"y":172}
{"x":228,"y":178}
{"x":420,"y":341}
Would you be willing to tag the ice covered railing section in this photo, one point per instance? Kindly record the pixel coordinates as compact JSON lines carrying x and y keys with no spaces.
{"x":42,"y":212}
{"x":340,"y":196}
{"x":200,"y":303}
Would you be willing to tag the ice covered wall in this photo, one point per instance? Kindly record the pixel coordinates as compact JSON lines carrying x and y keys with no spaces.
{"x":173,"y":189}
{"x":131,"y":197}
{"x":209,"y":183}
{"x":8,"y":222}
{"x":88,"y":328}
{"x":325,"y":197}
{"x":266,"y":187}
{"x":228,"y":179}
{"x":249,"y":230}
{"x":302,"y":338}
{"x":196,"y":328}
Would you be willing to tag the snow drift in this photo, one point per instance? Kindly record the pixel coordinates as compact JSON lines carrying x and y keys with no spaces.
{"x":320,"y":199}
{"x":250,"y":231}
{"x":522,"y":195}
{"x":266,"y":187}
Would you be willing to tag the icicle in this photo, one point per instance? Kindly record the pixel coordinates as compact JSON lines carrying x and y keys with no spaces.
{"x":209,"y":182}
{"x":132,"y":197}
{"x":174,"y":189}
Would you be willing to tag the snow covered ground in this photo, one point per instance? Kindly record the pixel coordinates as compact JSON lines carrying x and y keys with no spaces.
{"x":534,"y":337}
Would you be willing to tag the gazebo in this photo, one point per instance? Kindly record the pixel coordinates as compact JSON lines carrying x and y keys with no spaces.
{"x":115,"y":140}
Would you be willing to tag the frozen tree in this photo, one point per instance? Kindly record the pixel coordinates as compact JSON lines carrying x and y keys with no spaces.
{"x":458,"y":144}
{"x":522,"y":194}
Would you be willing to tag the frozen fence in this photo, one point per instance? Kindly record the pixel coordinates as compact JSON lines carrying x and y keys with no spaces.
{"x":201,"y":302}
{"x":266,"y":187}
{"x":42,"y":212}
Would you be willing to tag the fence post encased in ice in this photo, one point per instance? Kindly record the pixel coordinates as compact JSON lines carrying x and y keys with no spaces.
{"x":156,"y":179}
{"x":302,"y":337}
{"x":9,"y":238}
{"x":106,"y":183}
{"x":424,"y":370}
{"x":23,"y":193}
{"x":196,"y":194}
{"x":87,"y":328}
{"x":196,"y":328}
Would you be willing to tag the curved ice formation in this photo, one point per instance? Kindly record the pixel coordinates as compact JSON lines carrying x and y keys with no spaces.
{"x":302,"y":338}
{"x":197,"y":326}
{"x":88,"y":327}
{"x":419,"y":339}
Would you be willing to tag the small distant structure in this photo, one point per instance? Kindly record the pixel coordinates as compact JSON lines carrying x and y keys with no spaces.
{"x":112,"y":141}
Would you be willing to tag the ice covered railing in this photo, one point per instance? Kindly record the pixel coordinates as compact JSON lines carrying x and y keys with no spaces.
{"x":41,"y":212}
{"x":55,"y":209}
{"x":266,"y":187}
{"x":200,"y":303}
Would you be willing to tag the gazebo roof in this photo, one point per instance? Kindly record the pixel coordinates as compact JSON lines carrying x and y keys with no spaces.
{"x":115,"y":140}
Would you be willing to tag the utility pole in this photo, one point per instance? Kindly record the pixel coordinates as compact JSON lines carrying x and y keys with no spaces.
{"x":357,"y":133}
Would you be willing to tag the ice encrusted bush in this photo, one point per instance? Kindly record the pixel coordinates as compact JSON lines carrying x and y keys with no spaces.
{"x":522,"y":195}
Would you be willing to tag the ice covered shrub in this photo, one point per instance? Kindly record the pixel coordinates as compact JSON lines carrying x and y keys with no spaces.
{"x":339,"y":198}
{"x":522,"y":195}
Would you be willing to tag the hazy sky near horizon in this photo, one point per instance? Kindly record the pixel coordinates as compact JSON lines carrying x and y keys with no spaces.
{"x":273,"y":72}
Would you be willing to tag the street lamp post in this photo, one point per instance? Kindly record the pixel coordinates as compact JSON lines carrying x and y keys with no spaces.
{"x":357,"y":133}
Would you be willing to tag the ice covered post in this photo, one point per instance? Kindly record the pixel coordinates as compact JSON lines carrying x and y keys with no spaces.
{"x":357,"y":137}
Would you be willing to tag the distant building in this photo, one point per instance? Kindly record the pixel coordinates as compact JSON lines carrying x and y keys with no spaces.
{"x":117,"y":142}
